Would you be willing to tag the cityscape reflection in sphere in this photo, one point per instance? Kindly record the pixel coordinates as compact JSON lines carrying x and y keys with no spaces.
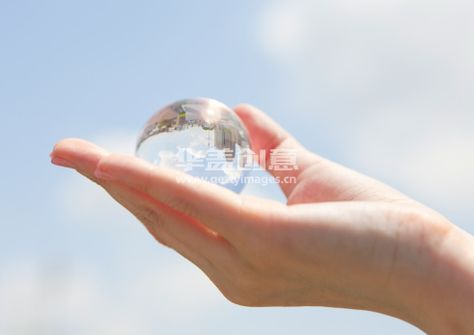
{"x":201,"y":137}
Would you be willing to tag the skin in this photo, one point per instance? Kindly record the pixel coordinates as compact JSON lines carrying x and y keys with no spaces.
{"x":342,"y":240}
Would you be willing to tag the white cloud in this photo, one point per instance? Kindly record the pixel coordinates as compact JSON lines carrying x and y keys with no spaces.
{"x":177,"y":295}
{"x":43,"y":300}
{"x":38,"y":299}
{"x":393,"y":80}
{"x":283,"y":30}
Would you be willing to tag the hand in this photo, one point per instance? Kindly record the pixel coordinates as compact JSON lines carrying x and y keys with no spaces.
{"x":342,"y":240}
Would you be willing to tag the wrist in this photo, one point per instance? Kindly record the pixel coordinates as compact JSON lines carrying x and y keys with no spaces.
{"x":439,"y":285}
{"x":450,"y":306}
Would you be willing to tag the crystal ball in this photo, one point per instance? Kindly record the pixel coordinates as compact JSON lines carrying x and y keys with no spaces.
{"x":201,"y":137}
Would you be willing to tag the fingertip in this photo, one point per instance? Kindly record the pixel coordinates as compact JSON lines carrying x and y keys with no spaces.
{"x":73,"y":146}
{"x":63,"y":146}
{"x":242,"y":107}
{"x":246,"y":111}
{"x":264,"y":132}
{"x":77,"y":153}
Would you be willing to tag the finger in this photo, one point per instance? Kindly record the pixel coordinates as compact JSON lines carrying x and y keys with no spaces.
{"x":221,"y":210}
{"x":163,"y":222}
{"x":173,"y":229}
{"x":78,"y":154}
{"x":271,"y":142}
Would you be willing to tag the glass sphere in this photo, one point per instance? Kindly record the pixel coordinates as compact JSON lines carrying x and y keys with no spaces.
{"x":201,"y":137}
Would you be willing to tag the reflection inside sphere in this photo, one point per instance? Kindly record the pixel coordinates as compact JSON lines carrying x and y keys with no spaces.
{"x":201,"y":137}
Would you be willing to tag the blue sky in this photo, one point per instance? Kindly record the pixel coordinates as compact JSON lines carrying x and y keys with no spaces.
{"x":385,"y":88}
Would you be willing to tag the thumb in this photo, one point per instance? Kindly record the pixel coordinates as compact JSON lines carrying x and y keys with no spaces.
{"x":277,"y":151}
{"x":324,"y":181}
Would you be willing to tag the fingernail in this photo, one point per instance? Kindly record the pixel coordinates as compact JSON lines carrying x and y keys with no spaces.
{"x":61,"y":162}
{"x":103,"y":175}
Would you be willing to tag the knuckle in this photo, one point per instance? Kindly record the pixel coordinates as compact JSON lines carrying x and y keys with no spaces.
{"x":154,"y":222}
{"x":150,"y":217}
